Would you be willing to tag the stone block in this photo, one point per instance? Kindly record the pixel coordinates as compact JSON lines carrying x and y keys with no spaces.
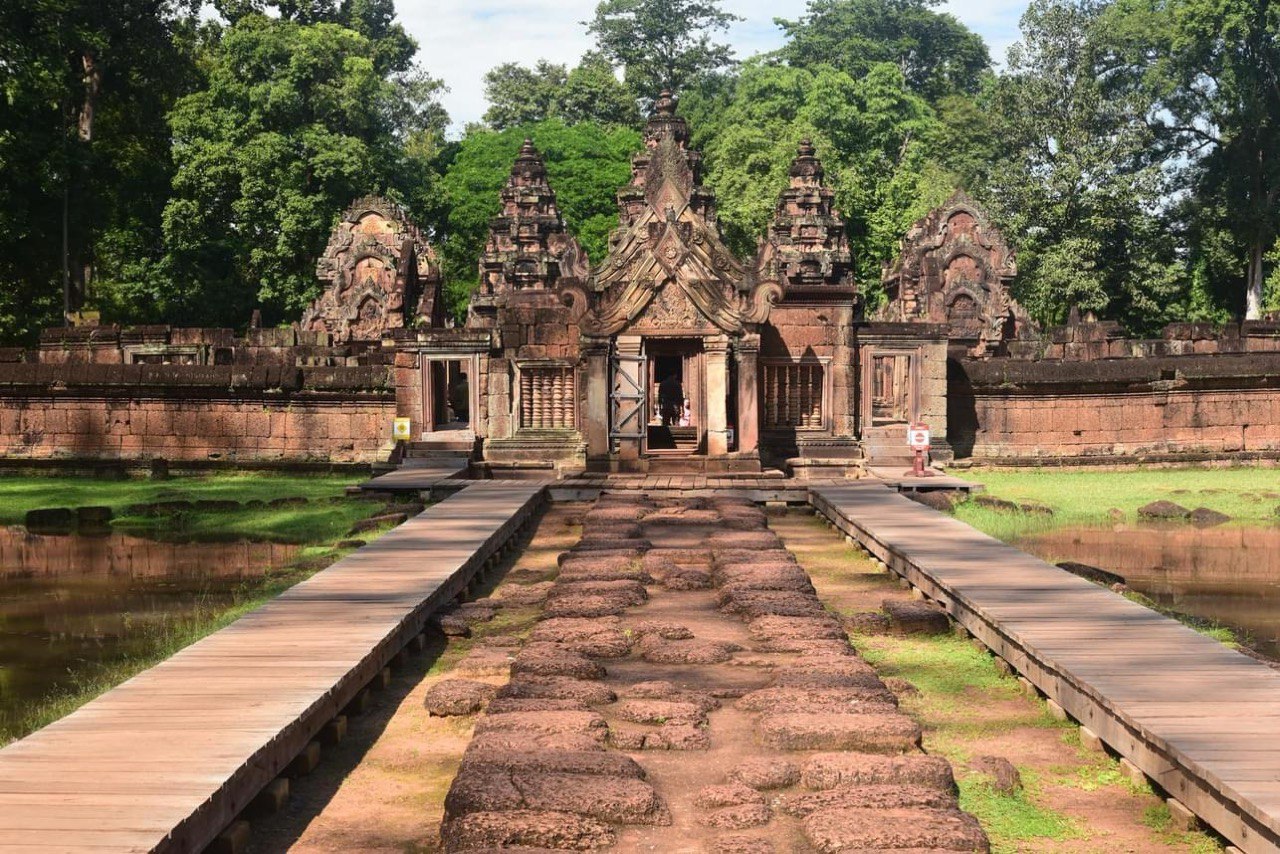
{"x":334,"y":731}
{"x":271,"y":799}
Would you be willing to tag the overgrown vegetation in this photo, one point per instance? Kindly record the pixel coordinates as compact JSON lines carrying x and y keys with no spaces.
{"x":200,"y":153}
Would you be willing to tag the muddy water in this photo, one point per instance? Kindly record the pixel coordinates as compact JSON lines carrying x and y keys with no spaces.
{"x":1229,"y":575}
{"x":71,"y":603}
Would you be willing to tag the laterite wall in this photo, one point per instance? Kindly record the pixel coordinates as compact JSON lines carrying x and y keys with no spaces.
{"x":195,"y":413}
{"x":1139,"y":408}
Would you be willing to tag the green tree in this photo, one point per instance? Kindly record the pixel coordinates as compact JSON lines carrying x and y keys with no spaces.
{"x":662,"y":44}
{"x":590,"y":92}
{"x":936,"y":54}
{"x":1079,"y":183}
{"x":586,"y":164}
{"x":1210,"y":70}
{"x":518,"y":95}
{"x":85,"y":88}
{"x":872,"y":135}
{"x":593,"y":93}
{"x":296,"y":120}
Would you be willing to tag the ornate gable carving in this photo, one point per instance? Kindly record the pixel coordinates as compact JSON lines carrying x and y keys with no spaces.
{"x":806,"y":249}
{"x":378,"y":272}
{"x":956,"y":268}
{"x":668,"y":243}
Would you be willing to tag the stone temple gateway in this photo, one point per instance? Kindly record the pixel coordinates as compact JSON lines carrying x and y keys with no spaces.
{"x":669,"y":356}
{"x":672,"y":354}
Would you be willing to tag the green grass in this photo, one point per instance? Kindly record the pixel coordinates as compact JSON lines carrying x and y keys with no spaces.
{"x":317,"y":521}
{"x":1159,"y":818}
{"x":939,"y":665}
{"x":18,"y":494}
{"x":1248,"y":495}
{"x":1015,"y":817}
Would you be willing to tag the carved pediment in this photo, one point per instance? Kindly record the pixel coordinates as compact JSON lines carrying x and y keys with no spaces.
{"x":668,"y":266}
{"x":377,"y":268}
{"x":956,"y":268}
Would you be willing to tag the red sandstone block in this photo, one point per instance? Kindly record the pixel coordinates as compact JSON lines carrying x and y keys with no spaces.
{"x":338,"y":425}
{"x":258,"y":423}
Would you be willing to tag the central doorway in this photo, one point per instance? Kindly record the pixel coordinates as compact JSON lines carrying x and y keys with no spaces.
{"x":677,"y":416}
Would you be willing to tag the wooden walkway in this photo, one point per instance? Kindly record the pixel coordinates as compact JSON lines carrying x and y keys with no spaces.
{"x":417,"y":475}
{"x":168,"y":759}
{"x":1201,"y":720}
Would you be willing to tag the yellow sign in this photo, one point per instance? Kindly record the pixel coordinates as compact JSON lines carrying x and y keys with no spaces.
{"x":401,"y":429}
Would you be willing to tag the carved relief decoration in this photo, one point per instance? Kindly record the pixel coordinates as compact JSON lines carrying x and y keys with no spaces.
{"x":378,"y":273}
{"x":806,"y":249}
{"x":667,"y":265}
{"x":528,"y":248}
{"x":955,"y":268}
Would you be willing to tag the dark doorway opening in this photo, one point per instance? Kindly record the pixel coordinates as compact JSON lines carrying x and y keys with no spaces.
{"x":677,"y":415}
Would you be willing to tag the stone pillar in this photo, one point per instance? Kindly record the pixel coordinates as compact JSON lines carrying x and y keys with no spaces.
{"x":630,"y":345}
{"x":593,"y":419}
{"x":747,"y":353}
{"x":717,"y":390}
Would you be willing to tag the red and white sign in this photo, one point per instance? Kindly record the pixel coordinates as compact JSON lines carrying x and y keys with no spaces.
{"x":918,"y":437}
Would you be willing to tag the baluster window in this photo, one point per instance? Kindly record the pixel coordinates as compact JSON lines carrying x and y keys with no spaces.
{"x":547,"y":400}
{"x":794,"y":396}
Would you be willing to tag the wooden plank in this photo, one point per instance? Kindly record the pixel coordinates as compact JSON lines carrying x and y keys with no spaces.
{"x":235,"y":707}
{"x":1202,"y":718}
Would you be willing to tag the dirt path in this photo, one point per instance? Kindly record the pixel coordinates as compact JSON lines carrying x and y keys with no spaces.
{"x":382,"y":789}
{"x":1071,"y":800}
{"x":672,"y":682}
{"x":686,"y":691}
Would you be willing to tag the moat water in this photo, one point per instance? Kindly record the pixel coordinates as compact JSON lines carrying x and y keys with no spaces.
{"x":70,"y":605}
{"x":1229,"y":575}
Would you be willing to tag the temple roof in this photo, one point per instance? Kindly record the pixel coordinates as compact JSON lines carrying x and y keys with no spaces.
{"x":668,"y":245}
{"x":805,"y":248}
{"x":529,"y":248}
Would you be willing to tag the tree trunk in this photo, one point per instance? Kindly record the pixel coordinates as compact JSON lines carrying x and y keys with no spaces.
{"x":92,"y":86}
{"x":1253,"y":286}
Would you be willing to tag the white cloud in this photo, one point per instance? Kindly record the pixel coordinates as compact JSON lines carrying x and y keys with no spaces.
{"x":460,"y":42}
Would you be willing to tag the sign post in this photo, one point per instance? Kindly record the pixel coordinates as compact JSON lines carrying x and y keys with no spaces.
{"x":918,"y":441}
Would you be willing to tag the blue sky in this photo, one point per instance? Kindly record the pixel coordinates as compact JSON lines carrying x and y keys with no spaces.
{"x":459,"y":42}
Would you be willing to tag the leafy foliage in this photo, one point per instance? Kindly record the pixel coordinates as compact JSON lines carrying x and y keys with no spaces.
{"x":662,"y":44}
{"x":872,"y":134}
{"x":1080,"y":180}
{"x":1128,"y":148}
{"x":295,"y":121}
{"x":936,"y":54}
{"x":586,"y":164}
{"x":85,"y":85}
{"x":1209,"y":72}
{"x":589,"y":93}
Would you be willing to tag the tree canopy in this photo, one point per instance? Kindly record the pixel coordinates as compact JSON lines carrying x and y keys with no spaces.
{"x":296,"y":119}
{"x":662,"y":44}
{"x":936,"y":54}
{"x":161,"y":164}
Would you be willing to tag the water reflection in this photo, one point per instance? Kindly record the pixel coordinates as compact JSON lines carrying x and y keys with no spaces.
{"x":68,"y":603}
{"x":1230,"y":575}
